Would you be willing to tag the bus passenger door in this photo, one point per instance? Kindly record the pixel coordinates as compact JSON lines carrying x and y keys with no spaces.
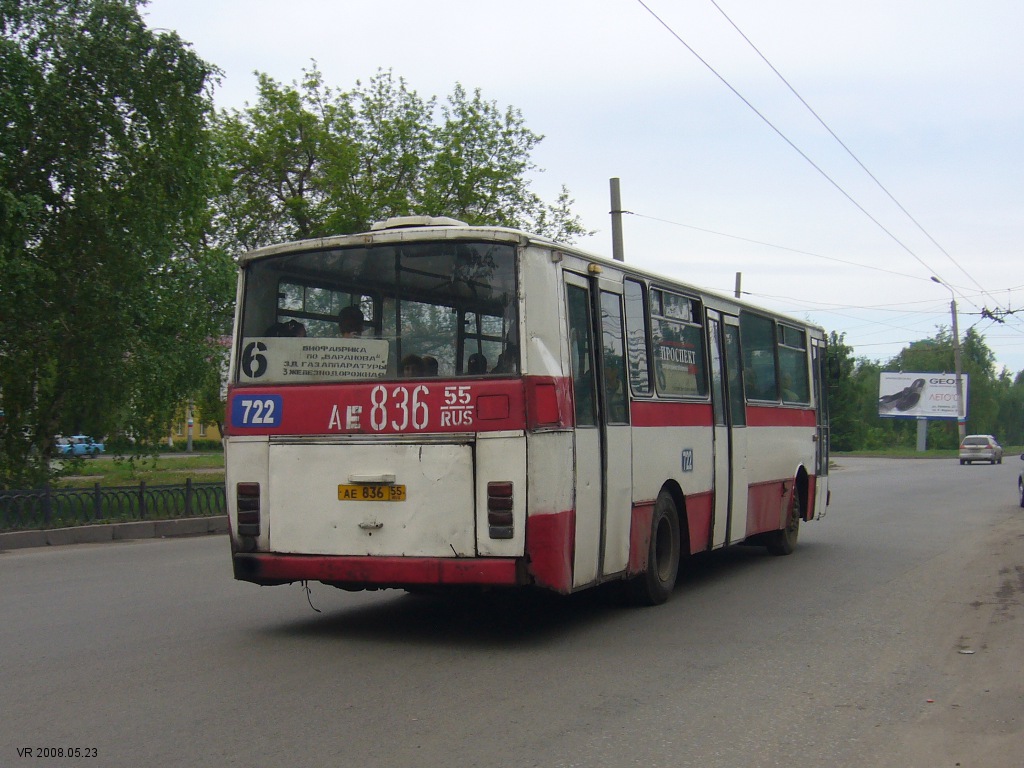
{"x":722,"y":447}
{"x":616,"y":434}
{"x":586,"y":434}
{"x":737,"y":420}
{"x":602,"y":436}
{"x":819,"y":367}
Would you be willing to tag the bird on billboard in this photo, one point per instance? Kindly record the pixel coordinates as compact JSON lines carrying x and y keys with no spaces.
{"x":903,"y":400}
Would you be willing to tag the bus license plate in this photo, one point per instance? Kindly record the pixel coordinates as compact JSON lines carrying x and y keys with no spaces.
{"x":371,"y":492}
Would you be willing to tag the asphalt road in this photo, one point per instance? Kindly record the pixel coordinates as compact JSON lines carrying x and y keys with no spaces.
{"x":847,"y":653}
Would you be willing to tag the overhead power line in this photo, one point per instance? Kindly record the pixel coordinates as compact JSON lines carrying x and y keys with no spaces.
{"x":821,"y":171}
{"x":846,"y":148}
{"x":779,"y":247}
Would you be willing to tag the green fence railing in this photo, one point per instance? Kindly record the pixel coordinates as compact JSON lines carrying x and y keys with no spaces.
{"x":63,"y":507}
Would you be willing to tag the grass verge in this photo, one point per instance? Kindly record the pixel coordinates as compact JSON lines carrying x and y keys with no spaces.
{"x":170,"y":469}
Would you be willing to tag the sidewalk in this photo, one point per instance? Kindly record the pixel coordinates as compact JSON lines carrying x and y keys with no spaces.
{"x":95,"y":534}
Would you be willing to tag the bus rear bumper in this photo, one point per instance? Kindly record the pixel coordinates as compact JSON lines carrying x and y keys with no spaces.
{"x":376,"y":572}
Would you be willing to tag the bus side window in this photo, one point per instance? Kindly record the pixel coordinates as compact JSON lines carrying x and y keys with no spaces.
{"x":678,"y":342}
{"x":796,"y":386}
{"x":757,"y":336}
{"x":616,"y":403}
{"x":636,"y":338}
{"x":580,"y":352}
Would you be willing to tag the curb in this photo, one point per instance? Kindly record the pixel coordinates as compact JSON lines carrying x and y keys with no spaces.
{"x":95,"y":534}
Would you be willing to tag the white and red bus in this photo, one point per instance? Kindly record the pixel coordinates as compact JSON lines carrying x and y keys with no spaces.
{"x":431,"y":404}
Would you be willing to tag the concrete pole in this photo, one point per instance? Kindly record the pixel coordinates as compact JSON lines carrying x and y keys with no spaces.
{"x":739,"y":280}
{"x":922,"y":434}
{"x":618,"y":252}
{"x":961,"y":411}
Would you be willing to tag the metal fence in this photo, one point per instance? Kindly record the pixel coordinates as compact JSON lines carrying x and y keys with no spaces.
{"x":63,"y":507}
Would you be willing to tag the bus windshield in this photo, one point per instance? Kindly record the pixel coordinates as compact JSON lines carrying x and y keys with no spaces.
{"x":389,"y":311}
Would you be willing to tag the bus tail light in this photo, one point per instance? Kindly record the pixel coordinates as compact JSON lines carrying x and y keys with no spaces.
{"x":247,"y":500}
{"x":499,"y":510}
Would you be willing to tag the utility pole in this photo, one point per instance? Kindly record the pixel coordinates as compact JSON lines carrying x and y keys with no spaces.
{"x":961,"y":414}
{"x":617,"y":250}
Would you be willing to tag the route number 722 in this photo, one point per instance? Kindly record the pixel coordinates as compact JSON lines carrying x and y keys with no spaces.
{"x":259,"y":411}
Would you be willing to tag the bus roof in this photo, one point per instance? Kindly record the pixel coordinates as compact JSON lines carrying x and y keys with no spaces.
{"x":410,"y":229}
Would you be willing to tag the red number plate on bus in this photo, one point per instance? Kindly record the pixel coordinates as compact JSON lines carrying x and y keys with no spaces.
{"x":371,"y":492}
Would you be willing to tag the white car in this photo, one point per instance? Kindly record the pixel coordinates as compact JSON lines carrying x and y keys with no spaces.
{"x":981,"y":448}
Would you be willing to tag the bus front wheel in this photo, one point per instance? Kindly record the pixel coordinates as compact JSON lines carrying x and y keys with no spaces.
{"x":784,"y":542}
{"x":655,"y":584}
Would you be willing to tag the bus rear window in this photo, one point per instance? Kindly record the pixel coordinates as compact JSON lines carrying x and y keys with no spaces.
{"x":386,"y":312}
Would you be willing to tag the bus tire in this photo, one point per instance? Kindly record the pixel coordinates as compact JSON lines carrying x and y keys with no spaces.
{"x":784,"y":542}
{"x":655,"y":584}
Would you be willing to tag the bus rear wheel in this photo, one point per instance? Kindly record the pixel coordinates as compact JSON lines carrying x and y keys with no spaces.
{"x":784,"y":542}
{"x":654,"y":585}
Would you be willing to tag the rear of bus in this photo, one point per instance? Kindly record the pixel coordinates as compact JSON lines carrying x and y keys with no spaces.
{"x":378,"y":415}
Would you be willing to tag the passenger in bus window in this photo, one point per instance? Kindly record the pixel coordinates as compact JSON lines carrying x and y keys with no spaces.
{"x":507,"y":360}
{"x":287,"y":328}
{"x":615,"y":397}
{"x":476,"y":365}
{"x":789,"y":394}
{"x":412,"y":366}
{"x":351,"y":322}
{"x":430,"y":365}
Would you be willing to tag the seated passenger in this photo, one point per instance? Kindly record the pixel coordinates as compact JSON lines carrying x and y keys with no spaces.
{"x":507,"y":360}
{"x":351,"y":322}
{"x":411,"y":367}
{"x":476,"y":365}
{"x":430,"y":365}
{"x":287,"y":328}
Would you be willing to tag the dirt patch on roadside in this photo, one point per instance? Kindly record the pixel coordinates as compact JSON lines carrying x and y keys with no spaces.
{"x":975,"y":718}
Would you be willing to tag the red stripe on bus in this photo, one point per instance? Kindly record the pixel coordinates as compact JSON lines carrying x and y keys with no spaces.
{"x":639,"y":537}
{"x":766,"y":505}
{"x":812,"y":498}
{"x":698,"y":519}
{"x":666,"y":413}
{"x":374,"y":571}
{"x":698,"y":526}
{"x":777,"y":416}
{"x":550,"y":546}
{"x":416,"y":406}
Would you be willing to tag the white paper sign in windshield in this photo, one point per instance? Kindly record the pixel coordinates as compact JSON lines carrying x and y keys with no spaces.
{"x":274,"y":360}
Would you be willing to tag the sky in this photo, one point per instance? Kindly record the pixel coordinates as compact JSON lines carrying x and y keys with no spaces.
{"x":837,"y":154}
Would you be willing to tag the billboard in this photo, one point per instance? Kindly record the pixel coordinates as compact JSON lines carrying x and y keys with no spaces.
{"x":919,"y":395}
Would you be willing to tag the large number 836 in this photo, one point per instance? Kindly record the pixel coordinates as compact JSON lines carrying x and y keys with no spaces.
{"x":410,"y":406}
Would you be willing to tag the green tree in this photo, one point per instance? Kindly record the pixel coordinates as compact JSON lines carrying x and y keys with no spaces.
{"x":308,"y":161}
{"x":845,"y":427}
{"x":1011,"y":408}
{"x":983,"y":398}
{"x":109,"y":302}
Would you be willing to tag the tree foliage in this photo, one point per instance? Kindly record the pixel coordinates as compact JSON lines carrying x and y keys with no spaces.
{"x":308,"y":161}
{"x":108,"y":302}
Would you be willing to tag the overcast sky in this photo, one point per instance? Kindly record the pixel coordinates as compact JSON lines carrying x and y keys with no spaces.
{"x":928,"y":97}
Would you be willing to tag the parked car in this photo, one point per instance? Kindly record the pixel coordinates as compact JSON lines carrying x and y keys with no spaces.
{"x":79,"y":445}
{"x":1020,"y":482}
{"x":981,"y":448}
